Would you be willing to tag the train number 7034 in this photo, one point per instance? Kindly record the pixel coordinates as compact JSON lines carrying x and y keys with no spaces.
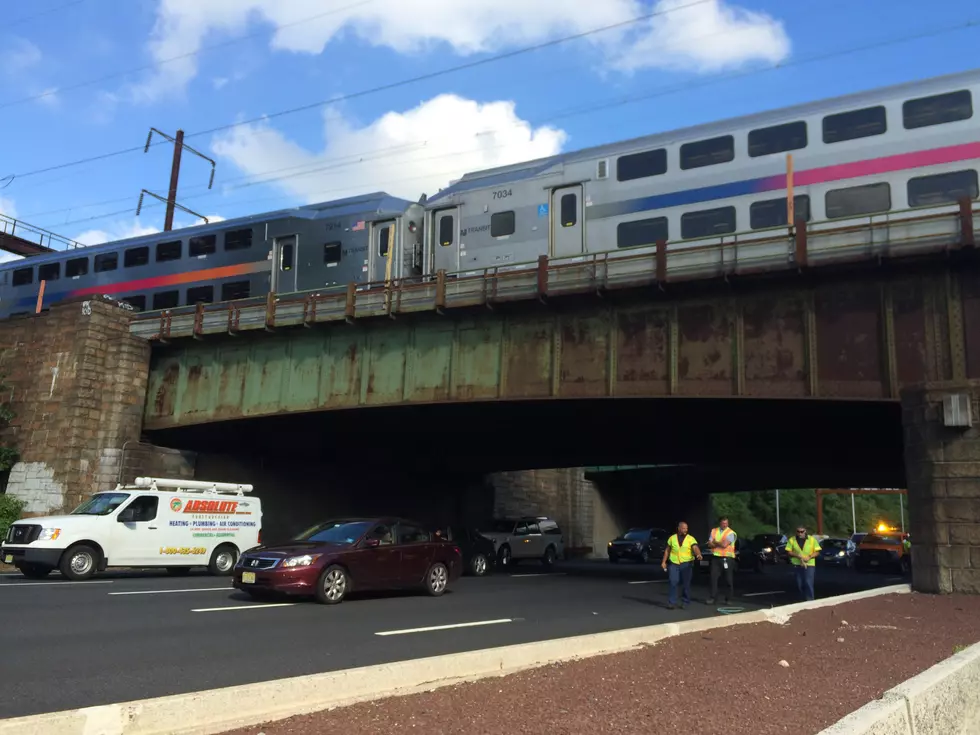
{"x":502,"y":193}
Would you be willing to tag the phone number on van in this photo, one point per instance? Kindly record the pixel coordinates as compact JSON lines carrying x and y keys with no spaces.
{"x":172,"y":550}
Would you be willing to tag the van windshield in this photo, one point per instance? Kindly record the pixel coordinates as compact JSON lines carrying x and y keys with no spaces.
{"x":100,"y":505}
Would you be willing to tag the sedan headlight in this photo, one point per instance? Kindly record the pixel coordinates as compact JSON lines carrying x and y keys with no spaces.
{"x":768,"y":550}
{"x":300,"y":561}
{"x":841,"y":553}
{"x":49,"y":534}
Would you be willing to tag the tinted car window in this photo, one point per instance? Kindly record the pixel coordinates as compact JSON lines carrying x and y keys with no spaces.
{"x":637,"y":535}
{"x":335,"y":532}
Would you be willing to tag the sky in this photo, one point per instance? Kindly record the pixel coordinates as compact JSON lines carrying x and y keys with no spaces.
{"x":302,"y":101}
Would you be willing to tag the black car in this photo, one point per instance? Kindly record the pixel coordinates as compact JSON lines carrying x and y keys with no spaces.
{"x":638,"y":544}
{"x":479,"y":558}
{"x":770,"y":547}
{"x":746,"y":557}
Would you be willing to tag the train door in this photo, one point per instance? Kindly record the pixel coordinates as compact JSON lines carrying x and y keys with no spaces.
{"x":284,"y":258}
{"x":382,"y":244}
{"x":445,"y":234}
{"x":566,"y":221}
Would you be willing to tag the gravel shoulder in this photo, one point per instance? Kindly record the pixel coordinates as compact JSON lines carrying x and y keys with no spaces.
{"x":840,"y":658}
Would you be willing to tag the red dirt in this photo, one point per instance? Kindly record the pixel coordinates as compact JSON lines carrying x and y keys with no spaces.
{"x":835,"y":667}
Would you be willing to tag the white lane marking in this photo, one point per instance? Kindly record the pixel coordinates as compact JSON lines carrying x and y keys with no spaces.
{"x":52,"y":584}
{"x":760,"y":594}
{"x":541,"y":574}
{"x":445,"y":627}
{"x":167,"y":592}
{"x":648,"y":581}
{"x":245,"y":607}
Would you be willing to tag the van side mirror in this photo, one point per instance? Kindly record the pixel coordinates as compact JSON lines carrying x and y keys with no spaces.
{"x":127,"y":516}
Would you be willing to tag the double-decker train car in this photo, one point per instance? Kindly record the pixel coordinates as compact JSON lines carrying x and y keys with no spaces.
{"x":304,"y":248}
{"x":884,"y":151}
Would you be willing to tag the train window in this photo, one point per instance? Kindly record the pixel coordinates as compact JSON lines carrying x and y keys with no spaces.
{"x":235,"y":290}
{"x":136,"y":256}
{"x":708,"y":223}
{"x":641,"y":165}
{"x":49,"y":272}
{"x":167,"y":251}
{"x":447,"y":230}
{"x":708,"y":152}
{"x":503,"y":224}
{"x":106,"y":262}
{"x":569,"y":210}
{"x":857,"y":200}
{"x":76,"y":267}
{"x":332,"y":252}
{"x":938,"y":109}
{"x":286,"y":255}
{"x":772,"y":212}
{"x":384,"y":240}
{"x":137,"y":302}
{"x":238,"y":239}
{"x":641,"y":232}
{"x":854,"y":124}
{"x":200,"y":293}
{"x":930,"y":191}
{"x":777,"y":139}
{"x":166,"y":299}
{"x":23,"y":276}
{"x":202,"y":245}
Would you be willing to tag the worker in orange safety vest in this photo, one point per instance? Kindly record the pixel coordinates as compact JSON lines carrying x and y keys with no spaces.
{"x":721,"y":542}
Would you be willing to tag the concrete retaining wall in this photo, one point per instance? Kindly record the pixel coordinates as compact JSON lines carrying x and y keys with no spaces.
{"x":943,"y":700}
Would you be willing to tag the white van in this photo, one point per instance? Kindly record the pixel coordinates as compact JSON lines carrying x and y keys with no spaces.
{"x":155,"y":522}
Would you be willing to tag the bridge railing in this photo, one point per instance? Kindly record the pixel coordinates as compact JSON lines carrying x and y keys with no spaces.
{"x":37,"y":235}
{"x":806,"y":245}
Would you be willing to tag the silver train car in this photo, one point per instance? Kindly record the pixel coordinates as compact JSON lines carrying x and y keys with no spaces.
{"x":304,"y":248}
{"x":885,"y":151}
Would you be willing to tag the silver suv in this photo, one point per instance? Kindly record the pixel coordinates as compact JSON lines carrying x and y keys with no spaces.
{"x":526,"y":538}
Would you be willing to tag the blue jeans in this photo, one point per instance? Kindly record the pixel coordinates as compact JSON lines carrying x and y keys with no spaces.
{"x":680,"y":574}
{"x":804,"y":581}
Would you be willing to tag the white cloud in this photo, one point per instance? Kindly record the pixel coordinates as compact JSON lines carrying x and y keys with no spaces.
{"x":119,"y":230}
{"x":18,"y":56}
{"x":709,"y":35}
{"x":8,"y":207}
{"x":405,"y":154}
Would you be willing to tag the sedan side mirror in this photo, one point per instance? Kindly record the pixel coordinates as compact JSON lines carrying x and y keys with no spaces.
{"x":372,"y":543}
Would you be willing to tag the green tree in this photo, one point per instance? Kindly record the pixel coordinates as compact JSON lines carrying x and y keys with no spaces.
{"x":10,"y":507}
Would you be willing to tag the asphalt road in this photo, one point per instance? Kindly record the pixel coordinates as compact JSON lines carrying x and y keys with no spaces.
{"x":123,"y":637}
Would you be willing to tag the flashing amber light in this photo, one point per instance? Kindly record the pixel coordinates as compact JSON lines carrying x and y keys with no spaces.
{"x":882,"y":527}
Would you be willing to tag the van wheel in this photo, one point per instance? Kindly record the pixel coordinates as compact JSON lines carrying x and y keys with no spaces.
{"x":35,"y":571}
{"x":79,"y":563}
{"x":332,"y":586}
{"x":223,"y":561}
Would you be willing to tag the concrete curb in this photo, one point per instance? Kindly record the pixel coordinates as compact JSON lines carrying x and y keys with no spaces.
{"x":220,"y":710}
{"x":942,"y":699}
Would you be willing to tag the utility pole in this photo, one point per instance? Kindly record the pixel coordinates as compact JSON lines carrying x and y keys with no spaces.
{"x":171,"y":200}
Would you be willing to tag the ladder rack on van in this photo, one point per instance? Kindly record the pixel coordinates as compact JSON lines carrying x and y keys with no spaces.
{"x":189,"y":486}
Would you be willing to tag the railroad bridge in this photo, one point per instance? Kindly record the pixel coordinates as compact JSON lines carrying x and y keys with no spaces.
{"x":829,"y":355}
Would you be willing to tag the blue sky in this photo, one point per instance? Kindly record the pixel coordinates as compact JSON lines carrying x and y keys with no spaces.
{"x":92,"y":76}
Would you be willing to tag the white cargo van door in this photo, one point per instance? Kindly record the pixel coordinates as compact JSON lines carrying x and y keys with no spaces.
{"x":137,"y":537}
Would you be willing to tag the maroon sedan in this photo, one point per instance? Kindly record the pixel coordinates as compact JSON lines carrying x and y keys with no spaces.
{"x":331,"y":559}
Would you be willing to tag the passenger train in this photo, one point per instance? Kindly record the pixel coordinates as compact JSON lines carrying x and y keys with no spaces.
{"x":899,"y":148}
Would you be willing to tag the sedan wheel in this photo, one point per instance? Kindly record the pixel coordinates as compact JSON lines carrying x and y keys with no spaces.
{"x":437,"y":579}
{"x":332,"y":587}
{"x":479,"y":565}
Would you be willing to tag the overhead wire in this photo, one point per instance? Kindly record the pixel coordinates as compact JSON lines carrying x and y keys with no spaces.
{"x":380,"y":88}
{"x":585,"y":109}
{"x":27,"y":18}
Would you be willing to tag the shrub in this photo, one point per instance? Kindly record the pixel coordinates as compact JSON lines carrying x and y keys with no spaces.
{"x":10,"y":510}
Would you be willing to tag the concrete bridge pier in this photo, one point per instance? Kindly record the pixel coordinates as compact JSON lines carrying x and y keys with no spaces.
{"x":942,"y":463}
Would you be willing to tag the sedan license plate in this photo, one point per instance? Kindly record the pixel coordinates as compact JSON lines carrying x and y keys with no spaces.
{"x":248,"y":577}
{"x":8,"y":559}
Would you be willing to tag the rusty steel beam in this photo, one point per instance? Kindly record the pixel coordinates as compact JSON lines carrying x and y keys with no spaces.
{"x":862,"y":338}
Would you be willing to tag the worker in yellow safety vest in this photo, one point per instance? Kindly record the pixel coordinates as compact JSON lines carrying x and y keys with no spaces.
{"x":722,"y":544}
{"x":802,"y":550}
{"x":681,"y":551}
